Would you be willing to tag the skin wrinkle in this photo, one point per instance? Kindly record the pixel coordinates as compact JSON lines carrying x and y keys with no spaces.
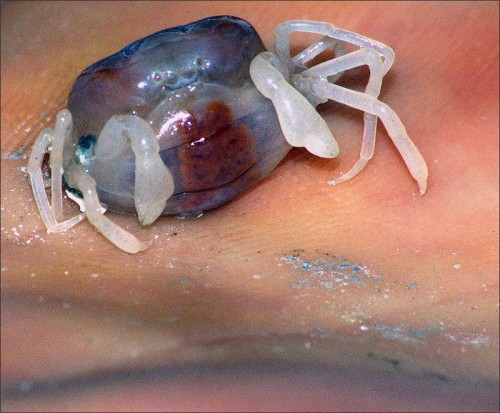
{"x":213,"y":283}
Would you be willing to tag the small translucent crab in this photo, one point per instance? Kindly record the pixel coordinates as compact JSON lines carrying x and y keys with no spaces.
{"x":185,"y":119}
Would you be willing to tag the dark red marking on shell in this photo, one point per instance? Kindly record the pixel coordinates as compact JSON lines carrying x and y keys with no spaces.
{"x":212,"y":198}
{"x":217,"y":150}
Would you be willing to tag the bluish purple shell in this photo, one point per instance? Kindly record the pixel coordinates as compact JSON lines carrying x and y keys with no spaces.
{"x":218,"y":135}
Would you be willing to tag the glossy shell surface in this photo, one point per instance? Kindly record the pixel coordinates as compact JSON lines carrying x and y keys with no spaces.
{"x":218,"y":135}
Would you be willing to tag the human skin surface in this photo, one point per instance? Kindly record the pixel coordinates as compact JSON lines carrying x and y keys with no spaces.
{"x":297,"y":295}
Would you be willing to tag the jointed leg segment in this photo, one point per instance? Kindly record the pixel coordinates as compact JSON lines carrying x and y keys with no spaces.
{"x":299,"y":61}
{"x":284,"y":30}
{"x":395,"y":128}
{"x":379,"y":58}
{"x":357,"y":58}
{"x":154,"y":183}
{"x":55,"y":140}
{"x":51,"y":138}
{"x":113,"y":232}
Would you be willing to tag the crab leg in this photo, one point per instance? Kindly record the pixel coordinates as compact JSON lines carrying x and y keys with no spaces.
{"x":301,"y":124}
{"x":364,"y":56}
{"x":299,"y":61}
{"x":395,"y":128}
{"x":54,"y":138}
{"x":284,"y":30}
{"x":113,"y":232}
{"x":154,"y":183}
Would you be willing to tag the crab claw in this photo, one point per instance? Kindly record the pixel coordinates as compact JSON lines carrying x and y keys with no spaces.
{"x":301,"y":124}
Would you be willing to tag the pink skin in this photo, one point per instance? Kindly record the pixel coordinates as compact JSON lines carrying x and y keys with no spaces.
{"x":74,"y":306}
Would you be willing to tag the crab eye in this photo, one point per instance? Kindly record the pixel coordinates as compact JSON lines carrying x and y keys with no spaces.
{"x":85,"y":150}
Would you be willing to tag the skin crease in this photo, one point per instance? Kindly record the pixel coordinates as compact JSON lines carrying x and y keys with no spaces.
{"x":218,"y":291}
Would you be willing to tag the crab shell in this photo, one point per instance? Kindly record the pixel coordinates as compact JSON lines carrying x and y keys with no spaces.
{"x":218,"y":135}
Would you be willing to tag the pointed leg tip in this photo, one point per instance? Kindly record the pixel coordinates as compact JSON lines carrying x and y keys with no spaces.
{"x":423,"y":187}
{"x":145,"y":245}
{"x":136,"y":247}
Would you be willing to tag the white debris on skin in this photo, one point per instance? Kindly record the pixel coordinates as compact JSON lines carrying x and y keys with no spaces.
{"x":331,"y":273}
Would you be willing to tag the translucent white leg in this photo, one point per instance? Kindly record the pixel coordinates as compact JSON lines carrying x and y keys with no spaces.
{"x":284,"y":30}
{"x":62,"y":129}
{"x":367,"y":150}
{"x":360,"y":57}
{"x":312,"y":51}
{"x":299,"y":61}
{"x":53,"y":138}
{"x":154,"y":183}
{"x":395,"y":128}
{"x":301,"y":124}
{"x":113,"y":232}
